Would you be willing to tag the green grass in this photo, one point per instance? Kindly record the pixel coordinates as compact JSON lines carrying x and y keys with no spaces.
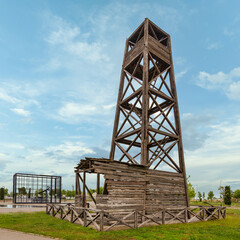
{"x":196,"y":203}
{"x":43,"y":224}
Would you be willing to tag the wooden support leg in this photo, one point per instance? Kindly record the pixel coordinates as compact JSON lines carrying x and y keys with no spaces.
{"x":98,"y":183}
{"x":84,"y":189}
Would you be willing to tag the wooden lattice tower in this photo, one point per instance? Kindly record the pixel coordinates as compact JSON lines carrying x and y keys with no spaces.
{"x":147,"y":125}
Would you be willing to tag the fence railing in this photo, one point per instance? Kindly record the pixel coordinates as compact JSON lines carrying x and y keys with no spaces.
{"x":104,"y":221}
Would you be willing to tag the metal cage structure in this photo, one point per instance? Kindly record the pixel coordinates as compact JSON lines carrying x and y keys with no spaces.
{"x":33,"y":188}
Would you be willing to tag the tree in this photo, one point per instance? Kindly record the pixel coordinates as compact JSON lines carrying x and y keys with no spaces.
{"x":227,"y":196}
{"x":70,"y":193}
{"x":203,"y":195}
{"x":64,"y":192}
{"x":22,"y":191}
{"x":199,"y":196}
{"x":91,"y":190}
{"x":236,"y":194}
{"x":191,"y":190}
{"x":29,"y":193}
{"x":5,"y":191}
{"x":2,"y":193}
{"x":221,"y":190}
{"x":210,"y":195}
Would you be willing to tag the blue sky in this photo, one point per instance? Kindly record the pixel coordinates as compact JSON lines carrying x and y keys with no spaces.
{"x":60,"y":68}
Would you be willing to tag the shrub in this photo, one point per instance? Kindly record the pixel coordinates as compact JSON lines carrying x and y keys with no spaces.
{"x":227,"y":195}
{"x":2,"y":193}
{"x":210,"y":195}
{"x":199,"y":196}
{"x":191,"y":190}
{"x":236,"y":194}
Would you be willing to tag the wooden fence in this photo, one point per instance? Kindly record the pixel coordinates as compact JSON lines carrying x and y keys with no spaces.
{"x":104,"y":221}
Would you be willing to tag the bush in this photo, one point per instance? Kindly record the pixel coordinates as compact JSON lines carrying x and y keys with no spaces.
{"x":2,"y":193}
{"x":210,"y":195}
{"x":227,"y":196}
{"x":199,"y":196}
{"x":236,"y":194}
{"x":191,"y":190}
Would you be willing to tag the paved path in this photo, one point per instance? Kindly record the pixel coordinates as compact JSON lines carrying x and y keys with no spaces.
{"x":6,"y":234}
{"x":26,"y":210}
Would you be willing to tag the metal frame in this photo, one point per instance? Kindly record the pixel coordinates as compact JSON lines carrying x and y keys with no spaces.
{"x":34,"y":188}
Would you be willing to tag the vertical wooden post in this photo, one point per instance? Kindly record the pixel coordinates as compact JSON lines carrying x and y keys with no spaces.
{"x":61,"y":212}
{"x":145,"y":99}
{"x":84,"y":190}
{"x":177,"y":122}
{"x":76,"y":184}
{"x":98,"y":183}
{"x":186,"y":215}
{"x":163,"y":216}
{"x":71,"y":214}
{"x":53,"y":210}
{"x":136,"y":219}
{"x":84,"y":217}
{"x":204,"y":214}
{"x":117,"y":114}
{"x":101,"y":221}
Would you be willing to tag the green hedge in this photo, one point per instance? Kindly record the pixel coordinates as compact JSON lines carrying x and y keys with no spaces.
{"x":1,"y":193}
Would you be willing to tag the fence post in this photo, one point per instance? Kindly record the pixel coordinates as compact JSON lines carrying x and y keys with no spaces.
{"x":71,"y":215}
{"x":61,"y":212}
{"x":101,"y":221}
{"x":204,"y":214}
{"x":136,"y":219}
{"x":186,"y":215}
{"x":52,"y":210}
{"x":163,"y":216}
{"x":84,"y":217}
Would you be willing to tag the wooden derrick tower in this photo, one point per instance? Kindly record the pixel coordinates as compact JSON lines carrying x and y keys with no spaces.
{"x":146,"y":168}
{"x":147,"y":125}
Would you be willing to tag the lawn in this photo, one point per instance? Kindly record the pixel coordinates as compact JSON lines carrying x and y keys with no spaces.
{"x":197,"y":203}
{"x":43,"y":224}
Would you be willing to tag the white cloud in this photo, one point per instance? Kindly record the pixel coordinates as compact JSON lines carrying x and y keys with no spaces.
{"x":217,"y":157}
{"x":220,"y":147}
{"x":234,"y":90}
{"x":12,"y":145}
{"x":67,"y":150}
{"x":75,"y":113}
{"x":72,"y":41}
{"x":109,"y":106}
{"x":215,"y":45}
{"x":59,"y":159}
{"x":21,"y":112}
{"x":228,"y":83}
{"x":20,"y":93}
{"x":7,"y":98}
{"x":180,"y":74}
{"x":69,"y":110}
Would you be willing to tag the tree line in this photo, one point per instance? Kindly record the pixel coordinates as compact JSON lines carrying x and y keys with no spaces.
{"x":226,"y":194}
